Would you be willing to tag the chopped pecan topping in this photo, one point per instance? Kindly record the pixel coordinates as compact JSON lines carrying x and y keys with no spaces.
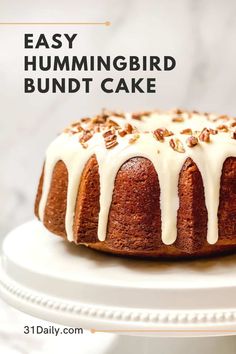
{"x":233,"y":124}
{"x":74,"y":128}
{"x":67,"y":130}
{"x":85,"y":119}
{"x":223,"y":117}
{"x":205,"y":135}
{"x":86,"y":136}
{"x":166,"y":132}
{"x":98,"y":120}
{"x":134,"y":138}
{"x":109,"y":133}
{"x":106,"y":113}
{"x":176,"y":145}
{"x":223,"y":128}
{"x":187,"y":131}
{"x":112,"y":123}
{"x":76,"y":124}
{"x":139,"y":115}
{"x":122,"y":133}
{"x":159,"y":135}
{"x":111,"y":129}
{"x":110,"y":138}
{"x":213,"y":131}
{"x":128,"y":128}
{"x":111,"y":143}
{"x":177,"y":111}
{"x":85,"y":145}
{"x":97,"y":129}
{"x":192,"y":141}
{"x":177,"y":119}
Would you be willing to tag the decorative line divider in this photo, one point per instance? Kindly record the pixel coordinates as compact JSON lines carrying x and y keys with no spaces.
{"x":106,"y":23}
{"x":93,"y":330}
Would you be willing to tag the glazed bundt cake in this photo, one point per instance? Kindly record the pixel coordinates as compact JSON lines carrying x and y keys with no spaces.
{"x":157,"y":184}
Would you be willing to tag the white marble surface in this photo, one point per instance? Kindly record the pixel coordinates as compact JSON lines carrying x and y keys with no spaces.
{"x":201,"y":35}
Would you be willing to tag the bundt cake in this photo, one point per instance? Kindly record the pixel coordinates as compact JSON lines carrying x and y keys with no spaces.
{"x":147,"y":184}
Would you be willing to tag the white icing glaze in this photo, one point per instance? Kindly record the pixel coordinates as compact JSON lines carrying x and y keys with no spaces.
{"x":209,"y":158}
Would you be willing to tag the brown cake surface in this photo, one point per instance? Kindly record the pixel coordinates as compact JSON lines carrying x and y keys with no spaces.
{"x":158,"y":184}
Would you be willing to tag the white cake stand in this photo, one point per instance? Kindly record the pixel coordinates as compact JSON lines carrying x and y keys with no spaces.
{"x":49,"y":278}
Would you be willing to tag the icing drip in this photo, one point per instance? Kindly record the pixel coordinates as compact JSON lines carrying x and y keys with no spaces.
{"x":208,"y":156}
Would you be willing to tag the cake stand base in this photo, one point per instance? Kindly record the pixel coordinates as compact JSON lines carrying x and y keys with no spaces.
{"x":49,"y":278}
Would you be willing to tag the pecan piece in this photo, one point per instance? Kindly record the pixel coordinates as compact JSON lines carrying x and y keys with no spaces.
{"x":223,"y":117}
{"x":178,"y":111}
{"x":192,"y":141}
{"x":223,"y":128}
{"x":112,"y":123}
{"x":178,"y":119}
{"x":110,"y":138}
{"x":85,"y":145}
{"x":233,"y":124}
{"x":176,"y":145}
{"x":85,"y":119}
{"x":85,"y":136}
{"x":187,"y":131}
{"x":106,"y":113}
{"x":205,"y":135}
{"x":159,"y":135}
{"x":122,"y":133}
{"x":111,"y":143}
{"x":128,"y":128}
{"x":166,"y":132}
{"x":213,"y":131}
{"x":108,"y":133}
{"x":98,"y":120}
{"x":139,"y":115}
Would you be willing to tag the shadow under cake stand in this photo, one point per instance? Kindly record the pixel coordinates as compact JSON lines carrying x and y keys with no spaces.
{"x":145,"y":305}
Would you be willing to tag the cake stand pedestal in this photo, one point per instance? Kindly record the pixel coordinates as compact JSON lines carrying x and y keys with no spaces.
{"x":144,"y":301}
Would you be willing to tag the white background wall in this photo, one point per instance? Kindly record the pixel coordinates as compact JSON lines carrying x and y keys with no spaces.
{"x":200,"y":34}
